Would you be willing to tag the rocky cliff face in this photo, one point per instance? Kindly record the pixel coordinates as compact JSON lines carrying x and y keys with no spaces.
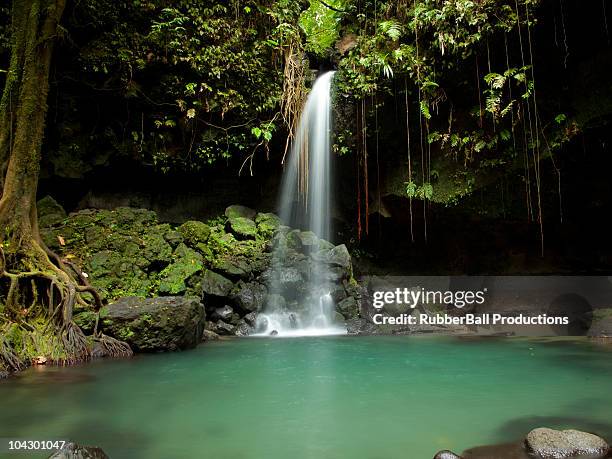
{"x":224,"y":262}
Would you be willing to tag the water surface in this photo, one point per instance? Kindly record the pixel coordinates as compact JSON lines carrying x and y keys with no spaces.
{"x":319,"y":398}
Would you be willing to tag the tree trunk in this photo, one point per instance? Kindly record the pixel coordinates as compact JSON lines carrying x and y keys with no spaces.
{"x":36,"y":282}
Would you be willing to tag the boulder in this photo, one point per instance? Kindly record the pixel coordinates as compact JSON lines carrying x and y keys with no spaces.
{"x":223,"y":328}
{"x":49,"y":212}
{"x":224,"y":313}
{"x":302,"y":240}
{"x":155,"y":324}
{"x":446,"y":454}
{"x":339,"y":256}
{"x":243,"y":329}
{"x":348,"y":308}
{"x":249,"y":296}
{"x":209,"y":335}
{"x":240,"y":211}
{"x":243,"y":228}
{"x":75,"y":451}
{"x":215,"y":284}
{"x":194,"y":232}
{"x":558,"y":444}
{"x":250,"y":318}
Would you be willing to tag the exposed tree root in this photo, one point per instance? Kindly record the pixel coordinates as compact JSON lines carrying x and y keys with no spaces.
{"x":48,"y":289}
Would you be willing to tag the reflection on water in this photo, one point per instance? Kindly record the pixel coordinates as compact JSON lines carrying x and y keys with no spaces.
{"x":326,"y":397}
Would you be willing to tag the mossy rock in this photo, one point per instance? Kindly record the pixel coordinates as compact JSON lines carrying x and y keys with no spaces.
{"x":237,"y":211}
{"x":215,"y":284}
{"x":243,"y":228}
{"x":348,"y":308}
{"x":155,"y":324}
{"x":49,"y":212}
{"x":267,"y":224}
{"x":156,"y":249}
{"x":194,"y":232}
{"x":174,"y":238}
{"x":173,"y":277}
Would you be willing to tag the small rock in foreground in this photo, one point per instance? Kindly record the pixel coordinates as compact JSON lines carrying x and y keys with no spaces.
{"x":75,"y":451}
{"x":559,"y":444}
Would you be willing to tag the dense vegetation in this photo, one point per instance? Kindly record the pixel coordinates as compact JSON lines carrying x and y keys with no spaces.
{"x":438,"y":103}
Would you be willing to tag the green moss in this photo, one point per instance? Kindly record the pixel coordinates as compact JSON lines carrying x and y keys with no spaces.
{"x":242,"y":227}
{"x":194,"y":232}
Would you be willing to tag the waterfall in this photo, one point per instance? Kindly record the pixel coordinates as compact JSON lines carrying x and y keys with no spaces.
{"x":305,"y":203}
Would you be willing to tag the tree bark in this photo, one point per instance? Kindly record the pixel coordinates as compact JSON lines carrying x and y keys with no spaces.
{"x":24,"y":109}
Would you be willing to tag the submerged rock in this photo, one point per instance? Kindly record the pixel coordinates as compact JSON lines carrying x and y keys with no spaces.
{"x":559,"y":444}
{"x":155,"y":324}
{"x":75,"y":451}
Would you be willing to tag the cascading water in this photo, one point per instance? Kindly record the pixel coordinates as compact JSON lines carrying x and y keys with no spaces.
{"x":305,"y":202}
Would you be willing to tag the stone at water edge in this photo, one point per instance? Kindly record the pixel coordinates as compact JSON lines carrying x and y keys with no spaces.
{"x":75,"y":451}
{"x":446,"y":454}
{"x":155,"y":324}
{"x":559,"y":444}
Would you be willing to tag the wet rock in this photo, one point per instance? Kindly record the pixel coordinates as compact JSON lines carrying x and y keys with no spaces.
{"x":209,"y":335}
{"x":290,"y":277}
{"x":249,"y":296}
{"x":243,"y":228}
{"x":215,"y":284}
{"x":348,"y":308}
{"x":155,"y":324}
{"x":49,"y":212}
{"x":339,"y":256}
{"x":224,"y":328}
{"x":194,"y":232}
{"x":360,"y":326}
{"x":267,"y":224}
{"x":446,"y":454}
{"x":302,"y":240}
{"x":75,"y":451}
{"x":243,"y":329}
{"x":224,"y":313}
{"x":274,"y":333}
{"x":558,"y":444}
{"x":251,"y":318}
{"x":239,"y":211}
